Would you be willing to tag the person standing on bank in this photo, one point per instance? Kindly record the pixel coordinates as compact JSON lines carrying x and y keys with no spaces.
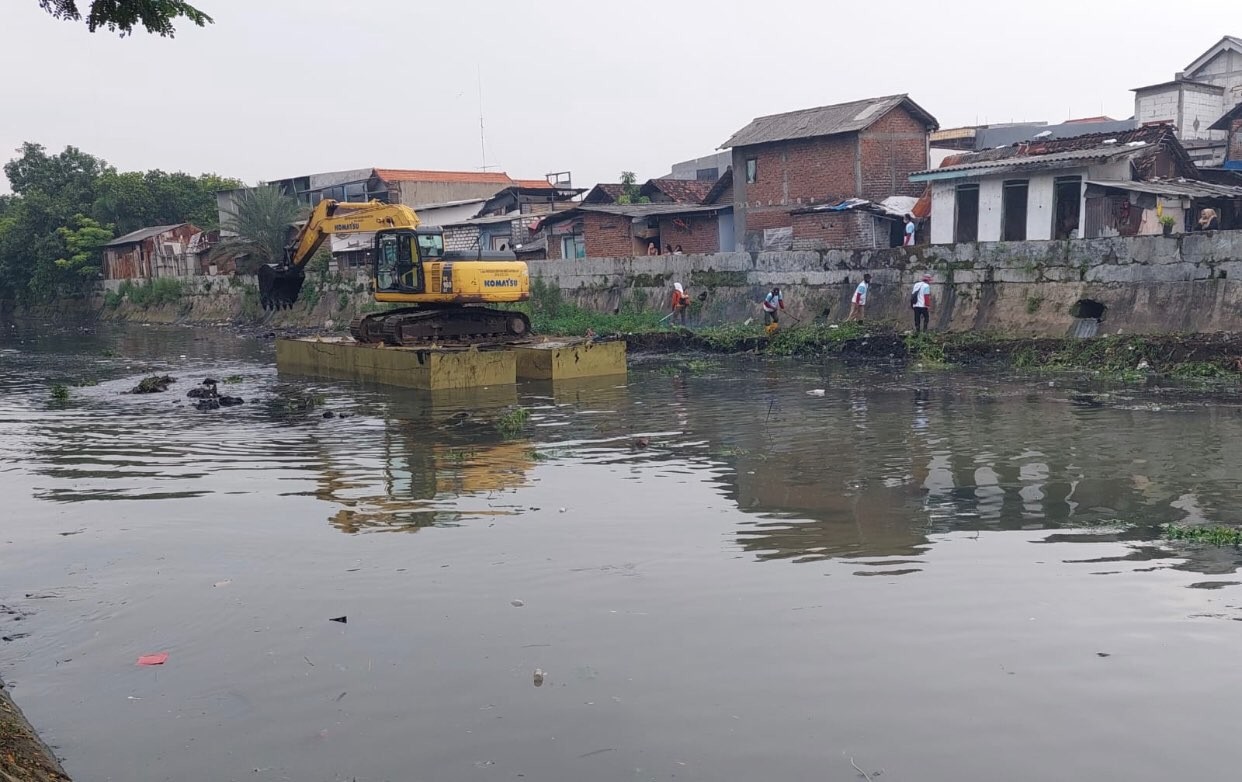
{"x":858,"y":304}
{"x":681,"y":303}
{"x":772,"y":304}
{"x":921,"y":303}
{"x":907,"y":235}
{"x":1208,"y":221}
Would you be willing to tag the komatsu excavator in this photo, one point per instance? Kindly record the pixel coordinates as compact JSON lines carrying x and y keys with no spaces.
{"x":410,"y":267}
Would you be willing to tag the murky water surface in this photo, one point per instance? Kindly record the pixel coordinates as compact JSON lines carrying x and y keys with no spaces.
{"x":723,"y":577}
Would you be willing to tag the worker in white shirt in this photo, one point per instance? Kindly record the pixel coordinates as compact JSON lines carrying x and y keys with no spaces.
{"x":858,"y":304}
{"x":921,"y":303}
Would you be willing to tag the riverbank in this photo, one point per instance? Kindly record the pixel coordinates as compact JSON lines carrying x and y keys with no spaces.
{"x":23,"y":756}
{"x":1190,"y":356}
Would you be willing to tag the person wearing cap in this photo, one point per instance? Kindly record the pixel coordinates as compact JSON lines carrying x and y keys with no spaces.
{"x":921,"y":303}
{"x":681,"y":302}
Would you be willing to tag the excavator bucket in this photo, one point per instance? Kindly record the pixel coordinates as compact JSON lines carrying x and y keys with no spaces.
{"x":279,"y":286}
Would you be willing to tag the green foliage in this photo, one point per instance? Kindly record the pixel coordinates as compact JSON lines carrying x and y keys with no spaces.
{"x":124,"y":16}
{"x":135,"y":199}
{"x":261,"y":219}
{"x":151,"y":293}
{"x":59,"y":392}
{"x":342,"y":301}
{"x":1168,"y":220}
{"x":511,"y":423}
{"x":1033,"y":303}
{"x":233,"y":379}
{"x":1211,"y":535}
{"x":83,"y":241}
{"x":630,"y":190}
{"x":1203,"y":370}
{"x":925,"y":349}
{"x":62,"y":205}
{"x":814,"y":339}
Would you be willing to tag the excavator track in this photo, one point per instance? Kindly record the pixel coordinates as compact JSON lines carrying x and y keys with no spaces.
{"x":448,"y":326}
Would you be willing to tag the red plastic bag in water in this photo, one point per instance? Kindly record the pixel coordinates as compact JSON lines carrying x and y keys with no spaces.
{"x":153,"y":659}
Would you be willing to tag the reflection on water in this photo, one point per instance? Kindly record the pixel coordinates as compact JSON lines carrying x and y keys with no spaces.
{"x":701,"y":488}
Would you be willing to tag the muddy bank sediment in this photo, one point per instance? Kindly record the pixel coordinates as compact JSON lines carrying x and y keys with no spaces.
{"x":23,"y":755}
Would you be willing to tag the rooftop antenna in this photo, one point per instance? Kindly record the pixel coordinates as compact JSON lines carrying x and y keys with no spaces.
{"x":482,"y":138}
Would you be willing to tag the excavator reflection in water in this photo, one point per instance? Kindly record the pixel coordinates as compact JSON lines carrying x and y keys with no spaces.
{"x":420,"y":485}
{"x":410,"y":267}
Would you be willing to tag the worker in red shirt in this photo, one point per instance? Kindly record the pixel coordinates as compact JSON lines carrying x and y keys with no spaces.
{"x":681,"y":303}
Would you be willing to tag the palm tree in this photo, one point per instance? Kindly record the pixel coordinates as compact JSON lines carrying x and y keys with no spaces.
{"x":260,"y":219}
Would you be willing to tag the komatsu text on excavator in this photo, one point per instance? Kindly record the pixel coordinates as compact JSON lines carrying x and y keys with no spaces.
{"x":410,"y":267}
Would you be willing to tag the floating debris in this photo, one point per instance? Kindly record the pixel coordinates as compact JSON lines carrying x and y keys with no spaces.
{"x":153,"y":659}
{"x":539,"y":677}
{"x":153,"y":384}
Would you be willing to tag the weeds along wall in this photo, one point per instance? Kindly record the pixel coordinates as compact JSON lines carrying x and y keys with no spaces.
{"x":1190,"y":283}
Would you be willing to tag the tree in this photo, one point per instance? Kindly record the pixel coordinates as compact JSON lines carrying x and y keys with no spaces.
{"x":136,"y":199}
{"x":260,"y":219}
{"x":630,"y":190}
{"x":82,"y":257}
{"x":122,"y":16}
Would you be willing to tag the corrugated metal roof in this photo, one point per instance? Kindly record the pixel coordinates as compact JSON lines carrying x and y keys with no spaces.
{"x":134,"y":237}
{"x":823,"y":121}
{"x":1034,"y":161}
{"x":1190,"y":188}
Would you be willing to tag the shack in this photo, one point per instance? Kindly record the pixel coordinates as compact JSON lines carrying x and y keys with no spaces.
{"x":158,"y":251}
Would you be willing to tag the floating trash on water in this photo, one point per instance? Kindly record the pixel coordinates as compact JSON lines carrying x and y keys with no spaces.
{"x":562,"y":510}
{"x":815,"y":392}
{"x":329,"y":414}
{"x":539,"y":676}
{"x":341,"y":619}
{"x":223,"y":583}
{"x":517,"y":603}
{"x":153,"y":659}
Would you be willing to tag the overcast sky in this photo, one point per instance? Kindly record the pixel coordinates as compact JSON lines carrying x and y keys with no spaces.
{"x":286,"y":87}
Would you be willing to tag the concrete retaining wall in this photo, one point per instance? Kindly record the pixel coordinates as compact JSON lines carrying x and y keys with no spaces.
{"x":1148,"y":284}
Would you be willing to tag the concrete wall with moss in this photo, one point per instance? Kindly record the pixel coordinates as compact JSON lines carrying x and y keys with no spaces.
{"x":1190,"y":283}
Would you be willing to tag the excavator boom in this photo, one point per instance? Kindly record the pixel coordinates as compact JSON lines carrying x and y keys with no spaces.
{"x":279,"y":286}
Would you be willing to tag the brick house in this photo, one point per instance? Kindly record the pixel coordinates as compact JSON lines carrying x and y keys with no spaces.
{"x":784,"y":162}
{"x":623,"y":230}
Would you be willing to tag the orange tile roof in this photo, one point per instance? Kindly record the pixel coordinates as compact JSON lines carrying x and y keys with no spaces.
{"x":541,"y":184}
{"x":470,"y":177}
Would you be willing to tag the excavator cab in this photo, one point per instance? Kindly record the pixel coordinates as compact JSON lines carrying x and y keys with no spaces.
{"x":399,"y":257}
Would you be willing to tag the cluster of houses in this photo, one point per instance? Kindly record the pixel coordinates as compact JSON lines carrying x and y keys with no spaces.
{"x":846,"y":176}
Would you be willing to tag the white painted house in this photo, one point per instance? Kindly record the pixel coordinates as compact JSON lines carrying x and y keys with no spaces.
{"x":1039,"y":189}
{"x":1195,"y":99}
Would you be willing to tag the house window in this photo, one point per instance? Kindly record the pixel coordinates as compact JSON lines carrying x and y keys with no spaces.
{"x":573,"y":246}
{"x":752,"y":170}
{"x":966,"y":219}
{"x":1013,"y":211}
{"x":1066,"y":198}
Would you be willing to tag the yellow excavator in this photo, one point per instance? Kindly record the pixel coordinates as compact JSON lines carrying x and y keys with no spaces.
{"x":410,"y":267}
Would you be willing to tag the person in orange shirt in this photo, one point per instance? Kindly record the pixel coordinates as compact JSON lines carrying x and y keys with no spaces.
{"x":681,"y":303}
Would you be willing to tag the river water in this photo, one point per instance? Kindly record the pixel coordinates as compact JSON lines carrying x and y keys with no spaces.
{"x":940,"y":576}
